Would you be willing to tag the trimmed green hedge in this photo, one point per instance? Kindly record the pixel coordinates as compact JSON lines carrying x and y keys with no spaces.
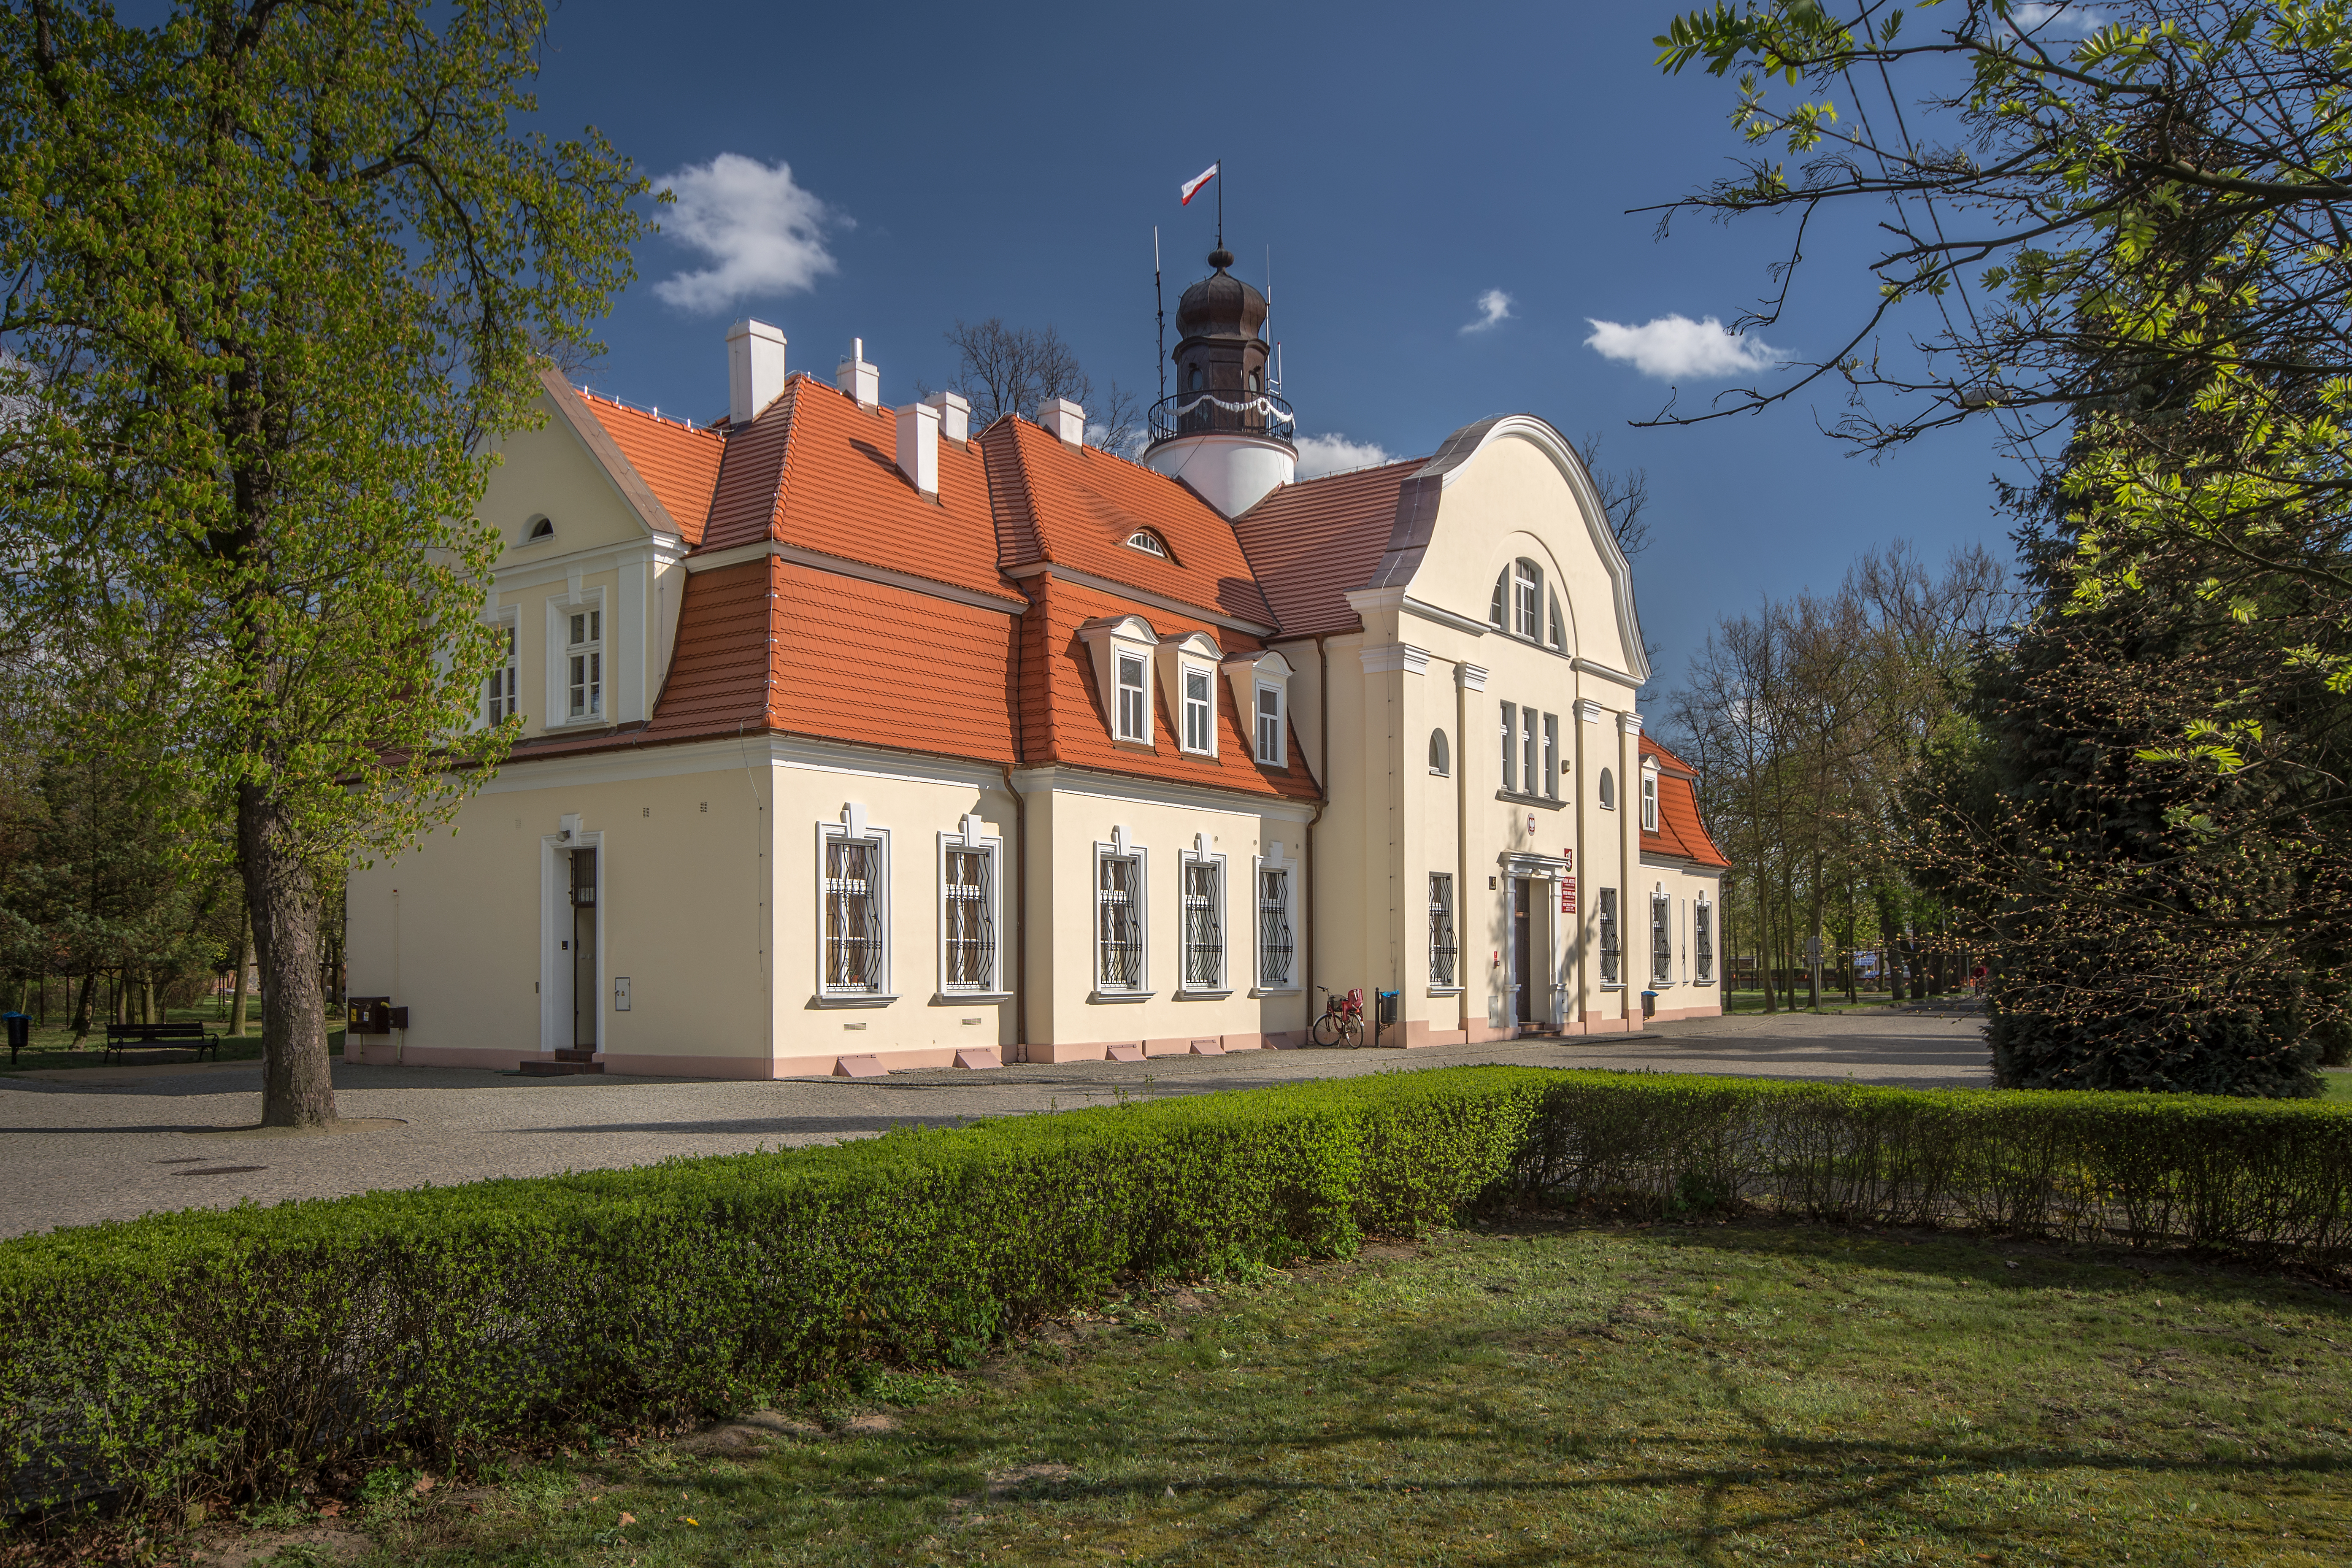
{"x":210,"y":1352}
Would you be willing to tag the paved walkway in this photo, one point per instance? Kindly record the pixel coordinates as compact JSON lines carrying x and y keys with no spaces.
{"x":84,"y":1144}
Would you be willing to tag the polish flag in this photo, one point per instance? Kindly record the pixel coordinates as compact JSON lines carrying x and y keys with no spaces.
{"x":1192,"y":187}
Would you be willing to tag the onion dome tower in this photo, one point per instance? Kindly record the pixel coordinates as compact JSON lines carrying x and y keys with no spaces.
{"x":1222,"y":432}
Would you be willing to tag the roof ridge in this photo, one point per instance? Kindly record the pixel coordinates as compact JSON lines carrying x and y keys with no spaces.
{"x":1019,"y":481}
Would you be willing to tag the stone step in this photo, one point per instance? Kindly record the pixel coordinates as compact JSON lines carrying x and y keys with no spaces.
{"x":540,"y":1066}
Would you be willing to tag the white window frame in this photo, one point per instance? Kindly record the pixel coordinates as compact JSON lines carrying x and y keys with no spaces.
{"x":1530,"y":748}
{"x":1527,"y":604}
{"x":1649,"y":799}
{"x":969,"y":839}
{"x":1510,"y":748}
{"x":1274,"y":727}
{"x":853,"y":828}
{"x":1450,"y":907}
{"x":1608,"y":940}
{"x":1121,"y":661}
{"x":1139,"y":901}
{"x":1551,"y":755}
{"x":560,"y":608}
{"x":506,"y":623}
{"x":1207,"y":988}
{"x":1199,"y":715}
{"x":1703,"y":941}
{"x":1273,"y":860}
{"x":1662,"y":938}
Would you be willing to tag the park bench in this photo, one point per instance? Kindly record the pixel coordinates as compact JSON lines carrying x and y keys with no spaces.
{"x":187,"y":1035}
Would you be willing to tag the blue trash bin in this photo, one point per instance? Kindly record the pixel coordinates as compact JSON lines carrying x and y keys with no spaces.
{"x":1649,"y":1003}
{"x":20,"y":1033}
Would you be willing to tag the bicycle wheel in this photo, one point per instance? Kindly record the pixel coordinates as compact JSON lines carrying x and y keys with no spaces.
{"x":1325,"y":1031}
{"x":1351,"y":1033}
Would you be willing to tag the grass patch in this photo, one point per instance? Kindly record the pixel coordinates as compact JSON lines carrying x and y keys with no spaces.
{"x":1710,"y":1394}
{"x":52,"y":1048}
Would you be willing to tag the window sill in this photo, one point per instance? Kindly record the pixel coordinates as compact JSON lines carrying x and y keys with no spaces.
{"x":958,"y":998}
{"x":597,"y":721}
{"x":1612,"y":985}
{"x":1447,"y":990}
{"x":1189,"y":752}
{"x":1183,"y":994}
{"x":1130,"y":744}
{"x":1544,"y":801}
{"x":1274,"y":989}
{"x":857,"y":999}
{"x":1120,"y":995}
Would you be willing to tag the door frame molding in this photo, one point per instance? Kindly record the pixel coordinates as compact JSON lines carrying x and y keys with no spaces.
{"x":556,"y":977}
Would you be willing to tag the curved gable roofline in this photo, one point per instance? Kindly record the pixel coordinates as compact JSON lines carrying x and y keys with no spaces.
{"x":1417,"y":504}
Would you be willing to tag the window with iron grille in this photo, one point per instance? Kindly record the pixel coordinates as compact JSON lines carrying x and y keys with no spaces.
{"x":1510,"y":747}
{"x":503,"y":677}
{"x":1202,"y":895}
{"x":1662,"y":939}
{"x":1703,"y":941}
{"x":1443,"y":950}
{"x":1609,"y":936}
{"x":1274,"y":944}
{"x":1118,"y":923}
{"x":1198,"y":711}
{"x":583,"y":653}
{"x":967,"y":918}
{"x":854,"y":943}
{"x":1134,"y":706}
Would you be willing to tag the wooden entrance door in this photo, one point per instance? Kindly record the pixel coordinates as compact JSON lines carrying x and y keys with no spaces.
{"x":584,"y":950}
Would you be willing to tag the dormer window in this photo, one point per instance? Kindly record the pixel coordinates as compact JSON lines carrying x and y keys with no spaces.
{"x":1134,"y":702}
{"x":1200,"y":711}
{"x":1151,"y":543}
{"x":1649,"y":799}
{"x":1269,"y":724}
{"x":537,"y":528}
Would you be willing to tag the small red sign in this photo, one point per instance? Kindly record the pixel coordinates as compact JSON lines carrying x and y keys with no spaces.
{"x":1567,"y":895}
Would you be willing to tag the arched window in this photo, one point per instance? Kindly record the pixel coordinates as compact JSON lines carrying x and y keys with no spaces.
{"x":1195,"y":385}
{"x":1258,"y":380}
{"x":1438,"y":760}
{"x":1526,"y":598}
{"x":1559,"y":625}
{"x":1608,"y":791}
{"x":537,"y":528}
{"x":1151,"y":543}
{"x":1494,"y":611}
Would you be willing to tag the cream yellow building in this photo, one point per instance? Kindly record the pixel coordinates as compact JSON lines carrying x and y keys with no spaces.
{"x":855,"y":739}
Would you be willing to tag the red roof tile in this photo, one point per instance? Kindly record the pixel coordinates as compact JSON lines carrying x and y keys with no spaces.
{"x":1680,"y":831}
{"x":678,"y":465}
{"x":1062,"y":718}
{"x":1314,"y":542}
{"x":1077,"y":506}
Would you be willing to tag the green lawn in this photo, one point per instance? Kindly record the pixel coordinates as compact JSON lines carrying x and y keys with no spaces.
{"x":2339,"y":1084}
{"x":1698,"y":1394}
{"x":53,"y":1046}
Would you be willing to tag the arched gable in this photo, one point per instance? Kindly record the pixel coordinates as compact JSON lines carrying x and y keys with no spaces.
{"x":1472,"y":540}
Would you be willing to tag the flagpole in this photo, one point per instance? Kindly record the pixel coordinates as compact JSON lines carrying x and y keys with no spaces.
{"x":1221,"y":204}
{"x":1160,"y":308}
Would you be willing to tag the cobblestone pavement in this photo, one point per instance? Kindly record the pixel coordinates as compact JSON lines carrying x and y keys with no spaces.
{"x":86,"y":1144}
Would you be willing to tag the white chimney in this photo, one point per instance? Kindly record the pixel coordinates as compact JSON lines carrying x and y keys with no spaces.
{"x":755,"y":369}
{"x":955,"y":416}
{"x":919,"y":446}
{"x":1064,"y":418}
{"x":856,"y":378}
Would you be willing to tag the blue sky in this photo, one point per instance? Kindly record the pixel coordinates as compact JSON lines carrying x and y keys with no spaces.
{"x":1402,"y":161}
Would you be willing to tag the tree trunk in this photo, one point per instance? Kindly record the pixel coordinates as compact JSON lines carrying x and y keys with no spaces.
{"x":81,"y":1020}
{"x":243,"y":966}
{"x":297,"y":1084}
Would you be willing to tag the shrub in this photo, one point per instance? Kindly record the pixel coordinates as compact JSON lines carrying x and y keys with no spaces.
{"x":209,"y":1352}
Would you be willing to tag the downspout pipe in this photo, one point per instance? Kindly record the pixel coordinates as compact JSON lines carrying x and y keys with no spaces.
{"x":1323,"y":789}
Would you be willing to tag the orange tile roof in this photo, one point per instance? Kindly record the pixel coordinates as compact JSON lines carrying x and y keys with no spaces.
{"x":771,"y":645}
{"x":1680,"y":832}
{"x":678,"y":465}
{"x":1076,"y":507}
{"x":1062,"y":714}
{"x":1313,"y":542}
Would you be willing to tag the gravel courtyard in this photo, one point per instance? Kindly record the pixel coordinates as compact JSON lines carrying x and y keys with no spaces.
{"x":87,"y":1144}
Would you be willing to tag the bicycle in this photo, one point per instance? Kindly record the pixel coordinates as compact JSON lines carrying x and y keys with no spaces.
{"x":1341,"y":1020}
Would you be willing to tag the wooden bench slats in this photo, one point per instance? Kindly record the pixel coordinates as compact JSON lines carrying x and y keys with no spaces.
{"x":184,"y":1035}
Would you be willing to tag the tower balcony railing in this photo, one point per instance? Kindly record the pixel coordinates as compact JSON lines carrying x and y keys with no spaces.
{"x":1223,"y":411}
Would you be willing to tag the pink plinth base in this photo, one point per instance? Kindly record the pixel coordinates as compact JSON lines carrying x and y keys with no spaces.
{"x":1130,"y":1052}
{"x":859,"y":1066}
{"x":977,"y":1059}
{"x":1208,"y":1048}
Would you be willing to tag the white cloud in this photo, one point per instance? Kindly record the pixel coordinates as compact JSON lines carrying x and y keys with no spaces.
{"x":1493,"y":306}
{"x":1331,"y":454}
{"x":765,"y":233}
{"x":1674,"y":348}
{"x":2060,"y":21}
